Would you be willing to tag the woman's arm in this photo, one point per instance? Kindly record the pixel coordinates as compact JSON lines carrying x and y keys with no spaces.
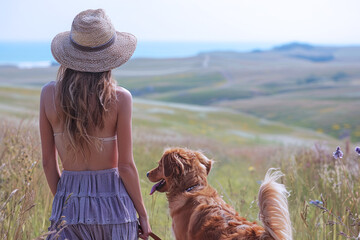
{"x":49,"y":159}
{"x":126,"y":164}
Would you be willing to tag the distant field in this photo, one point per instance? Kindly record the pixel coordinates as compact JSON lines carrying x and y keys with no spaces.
{"x":209,"y":122}
{"x":312,"y":87}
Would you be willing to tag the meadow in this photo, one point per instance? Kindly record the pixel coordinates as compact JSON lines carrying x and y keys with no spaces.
{"x":243,"y":145}
{"x":297,"y":84}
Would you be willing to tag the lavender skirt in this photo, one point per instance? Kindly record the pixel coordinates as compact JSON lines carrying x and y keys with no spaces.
{"x":92,"y":205}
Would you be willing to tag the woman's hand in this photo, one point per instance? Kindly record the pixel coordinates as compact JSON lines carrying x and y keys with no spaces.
{"x":145,"y":228}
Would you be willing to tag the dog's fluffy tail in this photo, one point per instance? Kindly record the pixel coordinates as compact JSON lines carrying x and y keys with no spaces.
{"x":274,"y":212}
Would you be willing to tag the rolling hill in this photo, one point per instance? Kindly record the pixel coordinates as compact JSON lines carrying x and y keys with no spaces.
{"x":297,"y":84}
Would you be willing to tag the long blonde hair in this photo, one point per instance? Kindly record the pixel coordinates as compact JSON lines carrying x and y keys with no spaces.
{"x":84,"y":98}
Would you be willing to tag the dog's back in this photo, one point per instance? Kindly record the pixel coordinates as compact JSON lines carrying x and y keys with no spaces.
{"x":218,"y":220}
{"x":211,"y":218}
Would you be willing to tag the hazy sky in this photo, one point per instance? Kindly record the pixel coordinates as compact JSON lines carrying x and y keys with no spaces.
{"x":313,"y":21}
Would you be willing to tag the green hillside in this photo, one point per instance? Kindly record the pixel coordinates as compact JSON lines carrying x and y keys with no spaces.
{"x":297,"y":84}
{"x":163,"y":119}
{"x":312,"y":87}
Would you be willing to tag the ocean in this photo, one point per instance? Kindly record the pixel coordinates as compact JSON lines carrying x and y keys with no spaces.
{"x":38,"y":54}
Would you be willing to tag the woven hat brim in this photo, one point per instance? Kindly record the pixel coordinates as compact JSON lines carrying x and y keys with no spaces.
{"x":96,"y":61}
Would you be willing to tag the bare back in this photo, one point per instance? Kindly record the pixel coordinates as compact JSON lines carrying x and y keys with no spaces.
{"x":103,"y":154}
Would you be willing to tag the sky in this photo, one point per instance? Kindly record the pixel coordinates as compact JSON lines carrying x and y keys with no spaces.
{"x":277,"y":21}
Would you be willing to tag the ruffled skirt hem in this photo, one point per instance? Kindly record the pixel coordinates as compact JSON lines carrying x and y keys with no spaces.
{"x":125,"y":231}
{"x":92,"y":205}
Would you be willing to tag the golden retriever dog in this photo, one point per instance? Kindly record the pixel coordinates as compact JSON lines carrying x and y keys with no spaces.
{"x":199,"y":213}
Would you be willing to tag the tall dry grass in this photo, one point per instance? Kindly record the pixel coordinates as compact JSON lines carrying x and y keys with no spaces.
{"x":25,"y":199}
{"x":324,"y":201}
{"x":310,"y":174}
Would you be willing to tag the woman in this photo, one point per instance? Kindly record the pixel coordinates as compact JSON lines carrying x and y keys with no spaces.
{"x":86,"y":119}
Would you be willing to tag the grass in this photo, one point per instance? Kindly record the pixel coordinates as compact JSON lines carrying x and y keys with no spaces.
{"x":311,"y":173}
{"x":171,"y":84}
{"x":25,"y":197}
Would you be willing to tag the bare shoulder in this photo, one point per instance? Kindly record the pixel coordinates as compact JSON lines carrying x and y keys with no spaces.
{"x":124,"y":96}
{"x":47,"y":90}
{"x":123,"y":101}
{"x":49,"y":85}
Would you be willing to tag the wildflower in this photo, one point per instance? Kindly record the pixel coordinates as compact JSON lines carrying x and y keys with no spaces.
{"x":316,"y":202}
{"x":357,"y":150}
{"x":251,"y":169}
{"x":338,"y":153}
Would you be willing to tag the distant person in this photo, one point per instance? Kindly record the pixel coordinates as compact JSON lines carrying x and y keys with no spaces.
{"x":86,"y":119}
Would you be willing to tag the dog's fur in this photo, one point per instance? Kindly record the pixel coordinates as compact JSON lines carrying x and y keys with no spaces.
{"x":198,"y":212}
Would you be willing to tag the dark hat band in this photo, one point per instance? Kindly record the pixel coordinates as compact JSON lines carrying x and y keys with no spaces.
{"x":93,"y":49}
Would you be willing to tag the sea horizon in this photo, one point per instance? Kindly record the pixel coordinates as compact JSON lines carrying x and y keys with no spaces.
{"x":26,"y":54}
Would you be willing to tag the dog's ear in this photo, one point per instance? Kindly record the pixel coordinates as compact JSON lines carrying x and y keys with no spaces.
{"x":172,"y":164}
{"x":205,"y":161}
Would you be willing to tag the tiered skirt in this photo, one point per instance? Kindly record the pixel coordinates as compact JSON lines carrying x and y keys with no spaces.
{"x":92,"y":205}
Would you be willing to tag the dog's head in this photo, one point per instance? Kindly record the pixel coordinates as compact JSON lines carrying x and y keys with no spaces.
{"x":180,"y":169}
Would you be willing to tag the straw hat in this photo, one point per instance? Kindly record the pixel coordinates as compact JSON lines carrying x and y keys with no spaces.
{"x":93,"y":45}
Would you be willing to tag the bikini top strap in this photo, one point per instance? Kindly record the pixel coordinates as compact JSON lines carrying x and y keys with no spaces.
{"x":108,"y":138}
